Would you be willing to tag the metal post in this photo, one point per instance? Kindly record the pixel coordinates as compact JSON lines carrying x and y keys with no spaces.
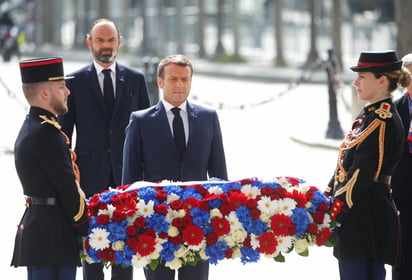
{"x":150,"y":69}
{"x":334,"y":130}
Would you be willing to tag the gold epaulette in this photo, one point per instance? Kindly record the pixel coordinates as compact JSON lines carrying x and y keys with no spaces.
{"x":384,"y":111}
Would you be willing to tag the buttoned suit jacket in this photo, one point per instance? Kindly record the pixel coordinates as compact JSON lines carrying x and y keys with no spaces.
{"x":150,"y":152}
{"x":100,"y":137}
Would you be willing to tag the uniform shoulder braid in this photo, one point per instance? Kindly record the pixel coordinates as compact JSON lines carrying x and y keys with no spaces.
{"x":384,"y":111}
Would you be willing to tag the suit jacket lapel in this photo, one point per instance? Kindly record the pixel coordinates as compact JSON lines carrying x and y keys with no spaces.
{"x":191,"y":116}
{"x":120,"y":85}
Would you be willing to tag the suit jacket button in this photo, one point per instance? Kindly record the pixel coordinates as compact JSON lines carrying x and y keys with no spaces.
{"x":109,"y":150}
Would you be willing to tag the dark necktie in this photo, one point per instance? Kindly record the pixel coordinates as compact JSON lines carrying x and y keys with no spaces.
{"x":108,"y":91}
{"x":179,"y":131}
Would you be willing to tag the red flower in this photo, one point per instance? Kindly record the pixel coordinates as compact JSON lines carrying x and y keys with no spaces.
{"x":139,"y":222}
{"x":190,"y":203}
{"x":229,"y":253}
{"x":177,"y":240}
{"x":103,"y":219}
{"x":131,"y":230}
{"x":266,"y":191}
{"x":255,"y":213}
{"x":176,"y":205}
{"x":193,"y":235}
{"x":323,"y":206}
{"x":178,"y":222}
{"x":211,"y":238}
{"x":118,"y":216}
{"x":221,"y":226}
{"x":282,"y":225}
{"x":312,"y":228}
{"x":145,"y":245}
{"x":299,"y":197}
{"x":238,"y":199}
{"x":161,"y":209}
{"x":132,"y":243}
{"x":251,"y":203}
{"x":225,"y":209}
{"x":318,"y":217}
{"x":107,"y":255}
{"x":161,"y":195}
{"x":267,"y":243}
{"x":323,"y":236}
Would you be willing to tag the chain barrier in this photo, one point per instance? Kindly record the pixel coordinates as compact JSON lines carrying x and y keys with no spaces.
{"x":12,"y":94}
{"x":305,"y":76}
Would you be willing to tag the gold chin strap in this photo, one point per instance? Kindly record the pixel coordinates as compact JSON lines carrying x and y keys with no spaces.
{"x":76,"y":170}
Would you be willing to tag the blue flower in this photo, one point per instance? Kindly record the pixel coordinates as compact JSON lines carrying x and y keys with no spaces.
{"x":216,"y":252}
{"x":249,"y":255}
{"x":301,"y":221}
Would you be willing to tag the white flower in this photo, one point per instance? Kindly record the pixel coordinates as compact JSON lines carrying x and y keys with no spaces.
{"x":254,"y":241}
{"x":98,"y":239}
{"x":239,"y":235}
{"x":202,"y":255}
{"x":172,"y":214}
{"x":175,"y":264}
{"x":265,"y":217}
{"x":139,"y":261}
{"x":234,"y":222}
{"x":199,"y":246}
{"x":236,"y":253}
{"x":250,"y":191}
{"x":301,"y":245}
{"x":285,"y":206}
{"x":118,"y":245}
{"x":172,"y":197}
{"x":266,"y":205}
{"x":181,"y":252}
{"x":215,"y":212}
{"x":215,"y":190}
{"x":284,"y":243}
{"x":173,"y":231}
{"x":145,"y":210}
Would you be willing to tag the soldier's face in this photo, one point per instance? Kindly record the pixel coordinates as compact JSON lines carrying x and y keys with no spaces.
{"x":176,"y":83}
{"x":369,"y":87}
{"x":104,"y":43}
{"x":58,"y":97}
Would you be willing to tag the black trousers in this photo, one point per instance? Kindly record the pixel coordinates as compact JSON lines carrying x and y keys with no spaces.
{"x":361,"y":269}
{"x":94,"y":271}
{"x":188,"y":272}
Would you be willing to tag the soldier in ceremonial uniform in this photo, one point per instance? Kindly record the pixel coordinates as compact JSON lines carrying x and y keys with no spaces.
{"x":368,"y":219}
{"x":48,"y":240}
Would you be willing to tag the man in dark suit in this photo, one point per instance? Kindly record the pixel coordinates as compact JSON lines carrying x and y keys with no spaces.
{"x":48,"y":236}
{"x":100,"y":121}
{"x":401,"y":182}
{"x":174,"y":140}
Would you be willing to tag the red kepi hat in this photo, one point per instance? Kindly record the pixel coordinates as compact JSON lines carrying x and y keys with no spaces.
{"x":42,"y":69}
{"x":377,"y":62}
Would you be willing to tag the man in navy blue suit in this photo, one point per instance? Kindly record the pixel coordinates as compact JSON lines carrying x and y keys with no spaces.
{"x":152,"y":151}
{"x":100,"y":123}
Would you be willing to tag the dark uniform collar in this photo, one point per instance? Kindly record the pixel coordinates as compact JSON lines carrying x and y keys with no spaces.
{"x":37,"y":111}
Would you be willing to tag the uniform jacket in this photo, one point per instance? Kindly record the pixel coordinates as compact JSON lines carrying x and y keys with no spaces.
{"x":368,"y":217}
{"x":100,"y":137}
{"x":150,"y":152}
{"x":402,"y":183}
{"x":47,"y":235}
